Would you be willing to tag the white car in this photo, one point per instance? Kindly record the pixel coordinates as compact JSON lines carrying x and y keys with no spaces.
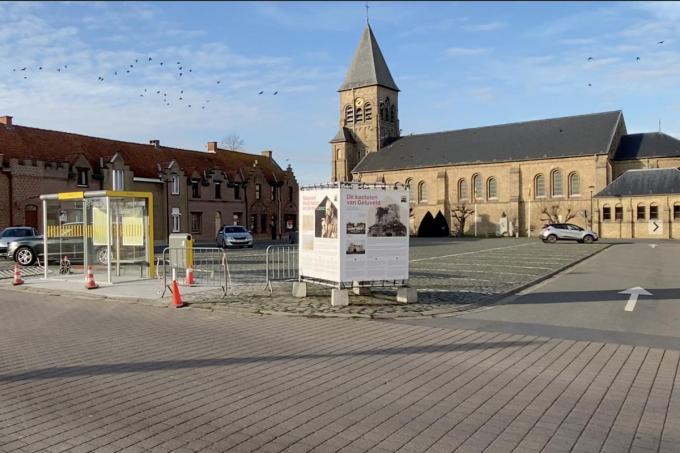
{"x":234,"y":236}
{"x":566,"y":231}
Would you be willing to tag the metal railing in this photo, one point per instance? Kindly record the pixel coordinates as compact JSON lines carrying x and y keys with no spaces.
{"x":281,"y":264}
{"x":209,"y":266}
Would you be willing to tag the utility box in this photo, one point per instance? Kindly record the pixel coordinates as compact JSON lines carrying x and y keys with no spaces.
{"x":181,"y":250}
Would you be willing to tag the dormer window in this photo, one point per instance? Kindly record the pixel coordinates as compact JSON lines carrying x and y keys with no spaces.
{"x":195,"y":190}
{"x":118,"y":180}
{"x":82,"y":177}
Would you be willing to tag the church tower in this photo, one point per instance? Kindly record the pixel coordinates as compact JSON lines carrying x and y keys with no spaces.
{"x":369,"y":108}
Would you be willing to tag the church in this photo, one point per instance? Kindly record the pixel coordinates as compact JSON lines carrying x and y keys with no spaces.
{"x":506,"y":179}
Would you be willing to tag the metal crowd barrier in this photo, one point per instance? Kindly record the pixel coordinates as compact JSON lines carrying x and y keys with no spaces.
{"x":281,"y":264}
{"x":209,"y":266}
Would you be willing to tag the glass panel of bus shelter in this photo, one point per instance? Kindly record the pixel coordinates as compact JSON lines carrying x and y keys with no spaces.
{"x":96,"y":226}
{"x":65,"y":238}
{"x":129,"y":240}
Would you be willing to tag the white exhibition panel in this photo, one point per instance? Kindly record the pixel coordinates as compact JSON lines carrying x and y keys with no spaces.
{"x":354,"y":234}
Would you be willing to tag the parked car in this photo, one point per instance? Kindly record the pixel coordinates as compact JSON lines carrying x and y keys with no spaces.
{"x":566,"y":231}
{"x":12,"y":234}
{"x":234,"y":236}
{"x":26,"y":251}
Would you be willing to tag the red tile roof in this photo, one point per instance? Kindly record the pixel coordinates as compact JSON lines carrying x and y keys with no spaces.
{"x":54,"y":146}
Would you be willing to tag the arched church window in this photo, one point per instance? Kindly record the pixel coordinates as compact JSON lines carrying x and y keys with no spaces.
{"x":349,"y":114}
{"x":368,"y":112}
{"x":539,"y":186}
{"x":387,"y":104}
{"x":491,"y":189}
{"x":393,"y":114}
{"x":477,"y":187}
{"x":358,"y":115}
{"x":556,"y":183}
{"x":574,"y":184}
{"x":422,"y":192}
{"x":462,"y":189}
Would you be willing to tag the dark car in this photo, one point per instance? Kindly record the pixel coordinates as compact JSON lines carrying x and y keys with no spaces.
{"x":15,"y":233}
{"x":26,"y":251}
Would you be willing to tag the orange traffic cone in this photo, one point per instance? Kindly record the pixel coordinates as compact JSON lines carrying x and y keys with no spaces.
{"x":189,"y":280}
{"x":17,"y":276}
{"x":90,"y":279}
{"x":176,"y":296}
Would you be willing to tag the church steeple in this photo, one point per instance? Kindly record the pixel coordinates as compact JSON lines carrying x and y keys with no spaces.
{"x":369,"y":108}
{"x":368,"y":66}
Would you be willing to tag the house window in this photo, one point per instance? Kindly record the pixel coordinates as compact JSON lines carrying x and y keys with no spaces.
{"x":176,"y":220}
{"x":263,"y":223}
{"x":237,"y":192}
{"x":174,"y":185}
{"x":491,"y":189}
{"x":618,"y":212}
{"x":556,"y":183}
{"x":422,"y":192}
{"x":653,"y":212}
{"x":368,"y":112}
{"x":477,"y":187}
{"x":195,"y":222}
{"x":290,"y":194}
{"x":349,"y":114}
{"x":574,"y":185}
{"x":462,"y":190}
{"x":676,"y":212}
{"x":218,"y":190}
{"x":640,"y":212}
{"x":82,"y":177}
{"x":606,"y":213}
{"x":258,"y":191}
{"x":118,"y":180}
{"x":539,"y":184}
{"x":195,"y":190}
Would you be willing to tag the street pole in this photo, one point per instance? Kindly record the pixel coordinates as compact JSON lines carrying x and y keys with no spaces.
{"x":591,"y":206}
{"x":529,"y":220}
{"x":475,"y":219}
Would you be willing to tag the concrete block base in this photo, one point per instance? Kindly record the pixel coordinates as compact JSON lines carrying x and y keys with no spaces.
{"x":339,"y":297}
{"x":299,"y":289}
{"x":407,"y":295}
{"x":361,"y":290}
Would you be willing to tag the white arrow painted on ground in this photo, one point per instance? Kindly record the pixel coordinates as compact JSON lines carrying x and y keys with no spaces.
{"x":652,"y":246}
{"x":634,"y":293}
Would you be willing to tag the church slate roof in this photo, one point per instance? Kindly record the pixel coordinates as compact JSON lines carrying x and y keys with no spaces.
{"x":343,"y":135}
{"x":652,"y":144}
{"x":368,"y":65}
{"x":651,"y":181}
{"x":556,"y":137}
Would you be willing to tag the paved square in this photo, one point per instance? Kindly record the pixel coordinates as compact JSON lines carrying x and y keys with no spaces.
{"x":82,"y":376}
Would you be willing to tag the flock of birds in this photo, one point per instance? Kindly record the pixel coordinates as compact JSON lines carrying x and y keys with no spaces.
{"x":636,"y":59}
{"x":179,"y":69}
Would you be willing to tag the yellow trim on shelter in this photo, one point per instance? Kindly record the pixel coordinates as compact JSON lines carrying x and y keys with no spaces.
{"x":70,"y":195}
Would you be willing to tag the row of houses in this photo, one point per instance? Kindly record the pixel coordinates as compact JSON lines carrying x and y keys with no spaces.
{"x":193,"y":191}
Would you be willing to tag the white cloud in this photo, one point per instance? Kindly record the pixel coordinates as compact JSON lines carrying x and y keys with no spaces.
{"x":489,"y":26}
{"x":467,"y":51}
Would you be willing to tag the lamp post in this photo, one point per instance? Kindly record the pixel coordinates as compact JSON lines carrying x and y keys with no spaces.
{"x":591,"y":207}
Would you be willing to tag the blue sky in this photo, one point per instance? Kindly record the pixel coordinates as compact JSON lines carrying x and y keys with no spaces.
{"x":458,"y":65}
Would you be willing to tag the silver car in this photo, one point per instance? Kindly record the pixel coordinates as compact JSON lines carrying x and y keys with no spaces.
{"x":234,"y":236}
{"x":12,"y":234}
{"x":566,"y":231}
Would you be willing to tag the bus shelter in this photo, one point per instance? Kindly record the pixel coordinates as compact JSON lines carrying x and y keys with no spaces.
{"x":111,"y":231}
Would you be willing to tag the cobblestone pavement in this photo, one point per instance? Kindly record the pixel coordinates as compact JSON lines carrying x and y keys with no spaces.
{"x":450,"y":275}
{"x":83,"y":376}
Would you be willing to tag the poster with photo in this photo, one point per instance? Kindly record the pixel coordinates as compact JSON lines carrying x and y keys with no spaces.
{"x":350,"y":234}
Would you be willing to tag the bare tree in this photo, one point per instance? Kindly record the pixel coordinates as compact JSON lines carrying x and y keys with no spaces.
{"x":233,"y":142}
{"x":461,"y":213}
{"x":551,"y":214}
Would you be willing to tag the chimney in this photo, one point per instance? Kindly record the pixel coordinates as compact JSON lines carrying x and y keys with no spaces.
{"x":6,"y":120}
{"x":267,"y":153}
{"x":212,"y":147}
{"x":155,"y":143}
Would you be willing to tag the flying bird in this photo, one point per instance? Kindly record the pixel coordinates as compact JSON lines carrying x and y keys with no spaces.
{"x":132,"y":66}
{"x":590,"y":58}
{"x":637,"y":59}
{"x":590,"y":84}
{"x":260,"y":92}
{"x":115,"y":72}
{"x":275,"y":93}
{"x":40,"y":68}
{"x":128,"y":71}
{"x":158,"y":92}
{"x":189,"y":105}
{"x":58,"y":69}
{"x":23,"y":69}
{"x":189,"y":70}
{"x":181,"y":91}
{"x":136,"y":60}
{"x":179,"y":62}
{"x":660,"y":42}
{"x":65,"y":66}
{"x":150,"y":58}
{"x":161,"y":63}
{"x":218,"y":81}
{"x":180,"y":74}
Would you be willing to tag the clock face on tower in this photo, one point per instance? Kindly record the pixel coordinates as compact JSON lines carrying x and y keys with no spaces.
{"x":358,"y":102}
